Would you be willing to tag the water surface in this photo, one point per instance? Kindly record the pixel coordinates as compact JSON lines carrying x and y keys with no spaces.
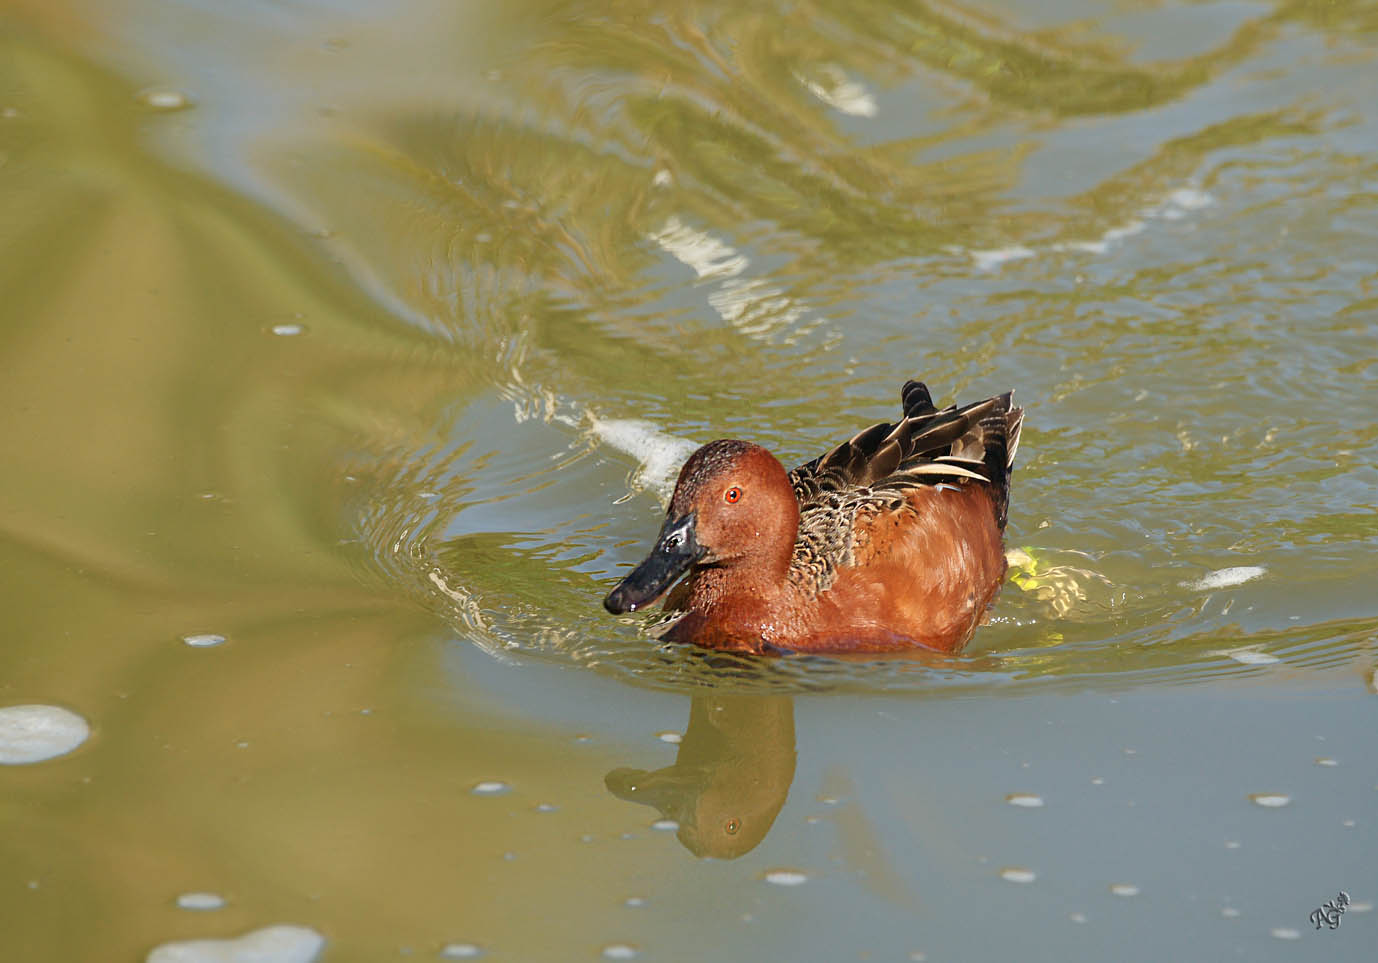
{"x":363,"y":342}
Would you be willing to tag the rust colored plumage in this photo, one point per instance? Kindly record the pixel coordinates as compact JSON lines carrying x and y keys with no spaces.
{"x":891,"y":540}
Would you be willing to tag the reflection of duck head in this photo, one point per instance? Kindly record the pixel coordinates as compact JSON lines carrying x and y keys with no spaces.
{"x":730,"y":778}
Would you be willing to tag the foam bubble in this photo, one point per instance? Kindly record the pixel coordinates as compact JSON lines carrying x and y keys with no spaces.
{"x":1190,"y":199}
{"x":284,"y":943}
{"x":1247,"y":656}
{"x":165,"y":99}
{"x":841,"y":92}
{"x":1226,"y":577}
{"x":34,"y":733}
{"x":988,"y":260}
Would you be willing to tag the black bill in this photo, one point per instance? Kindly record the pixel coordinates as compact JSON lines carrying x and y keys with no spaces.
{"x":675,"y":550}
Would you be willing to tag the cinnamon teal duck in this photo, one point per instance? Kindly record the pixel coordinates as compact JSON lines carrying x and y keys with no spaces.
{"x":892,"y":540}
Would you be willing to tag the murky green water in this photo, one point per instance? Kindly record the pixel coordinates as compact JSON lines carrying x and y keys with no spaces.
{"x":369,"y":336}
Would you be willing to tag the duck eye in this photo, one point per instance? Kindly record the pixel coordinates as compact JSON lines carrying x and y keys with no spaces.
{"x":731,"y":826}
{"x":732,"y":495}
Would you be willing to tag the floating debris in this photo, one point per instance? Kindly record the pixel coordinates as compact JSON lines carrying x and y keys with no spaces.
{"x":204,"y":640}
{"x":1018,"y":874}
{"x":785,"y":877}
{"x":490,"y":788}
{"x":1027,"y":800}
{"x":1270,"y":800}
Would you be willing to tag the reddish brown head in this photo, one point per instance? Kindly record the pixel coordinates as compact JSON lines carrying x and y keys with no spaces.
{"x":733,"y":506}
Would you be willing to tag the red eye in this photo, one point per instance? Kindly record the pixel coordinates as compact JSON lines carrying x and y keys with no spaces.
{"x":732,"y":495}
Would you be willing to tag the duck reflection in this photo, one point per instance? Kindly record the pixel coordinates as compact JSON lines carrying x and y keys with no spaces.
{"x":730,"y":778}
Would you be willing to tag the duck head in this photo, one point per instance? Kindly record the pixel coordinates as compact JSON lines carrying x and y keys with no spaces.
{"x":733,"y":509}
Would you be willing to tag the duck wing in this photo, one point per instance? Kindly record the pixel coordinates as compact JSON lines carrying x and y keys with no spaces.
{"x":971,"y":444}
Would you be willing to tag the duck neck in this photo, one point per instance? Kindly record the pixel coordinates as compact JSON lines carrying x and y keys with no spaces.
{"x":751,"y":590}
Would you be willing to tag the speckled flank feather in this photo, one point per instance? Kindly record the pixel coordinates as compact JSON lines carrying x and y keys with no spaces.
{"x":878,"y":469}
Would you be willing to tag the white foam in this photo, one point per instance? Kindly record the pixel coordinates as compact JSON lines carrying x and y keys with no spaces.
{"x":284,"y":943}
{"x":1190,"y":199}
{"x":1085,"y":247}
{"x":1226,"y":577}
{"x":841,"y":93}
{"x":988,"y":260}
{"x":1247,"y":656}
{"x":785,"y":877}
{"x":34,"y":733}
{"x":660,"y":454}
{"x":163,"y":98}
{"x":1122,"y":232}
{"x":200,"y":901}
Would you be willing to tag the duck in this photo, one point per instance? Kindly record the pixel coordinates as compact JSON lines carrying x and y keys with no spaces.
{"x":892,"y":540}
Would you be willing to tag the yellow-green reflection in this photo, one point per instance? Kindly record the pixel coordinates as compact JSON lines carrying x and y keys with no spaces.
{"x":730,"y":777}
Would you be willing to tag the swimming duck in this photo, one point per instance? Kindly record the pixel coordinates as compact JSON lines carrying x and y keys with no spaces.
{"x":892,"y":540}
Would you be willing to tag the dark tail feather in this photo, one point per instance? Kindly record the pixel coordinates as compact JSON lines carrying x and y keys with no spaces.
{"x":1000,"y":433}
{"x":915,"y":399}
